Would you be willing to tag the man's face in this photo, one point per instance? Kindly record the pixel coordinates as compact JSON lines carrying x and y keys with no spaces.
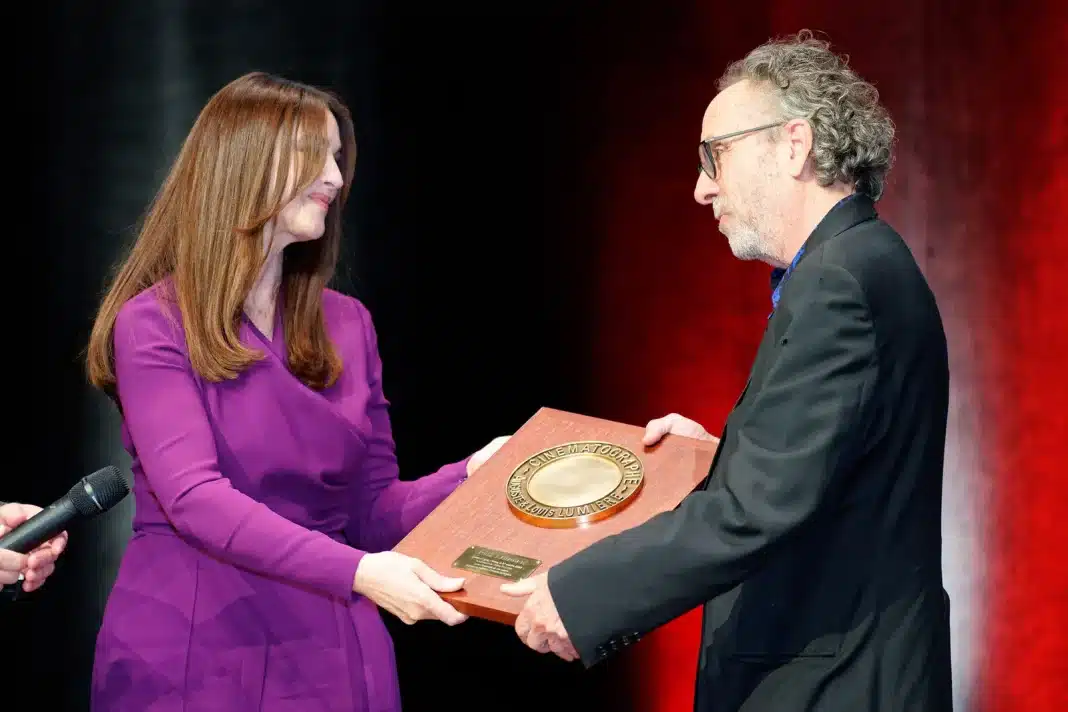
{"x":745,"y":190}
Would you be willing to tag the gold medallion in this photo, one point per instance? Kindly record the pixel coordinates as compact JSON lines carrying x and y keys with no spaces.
{"x":575,"y":484}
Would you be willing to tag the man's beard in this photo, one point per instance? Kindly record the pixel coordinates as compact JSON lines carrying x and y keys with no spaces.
{"x":745,"y":240}
{"x":752,"y":230}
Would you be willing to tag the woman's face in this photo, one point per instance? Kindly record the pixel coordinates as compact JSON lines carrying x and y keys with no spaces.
{"x":304,"y":217}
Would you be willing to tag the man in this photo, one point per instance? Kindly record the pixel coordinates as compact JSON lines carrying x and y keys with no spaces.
{"x":31,"y":569}
{"x":815,"y":541}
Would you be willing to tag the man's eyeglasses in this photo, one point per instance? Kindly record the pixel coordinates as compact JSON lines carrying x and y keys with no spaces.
{"x":708,"y":150}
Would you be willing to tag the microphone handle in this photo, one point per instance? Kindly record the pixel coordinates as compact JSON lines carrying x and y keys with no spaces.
{"x":40,"y":527}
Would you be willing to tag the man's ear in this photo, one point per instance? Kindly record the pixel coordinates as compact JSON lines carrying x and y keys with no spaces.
{"x":797,"y":140}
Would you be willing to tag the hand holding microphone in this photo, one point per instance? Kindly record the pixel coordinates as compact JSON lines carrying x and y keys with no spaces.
{"x":31,"y":538}
{"x":36,"y":566}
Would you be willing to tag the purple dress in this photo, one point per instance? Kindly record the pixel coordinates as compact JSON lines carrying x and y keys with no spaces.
{"x":255,"y":500}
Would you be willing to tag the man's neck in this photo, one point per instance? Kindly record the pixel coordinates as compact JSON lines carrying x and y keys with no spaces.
{"x":812,"y":212}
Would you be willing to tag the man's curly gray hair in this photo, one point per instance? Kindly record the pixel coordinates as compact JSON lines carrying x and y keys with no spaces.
{"x":852,"y":134}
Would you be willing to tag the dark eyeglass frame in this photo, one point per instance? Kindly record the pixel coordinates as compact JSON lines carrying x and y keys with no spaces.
{"x":706,"y":149}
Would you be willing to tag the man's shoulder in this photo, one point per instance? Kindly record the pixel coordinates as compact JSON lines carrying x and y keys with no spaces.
{"x":864,"y":248}
{"x":886,"y":276}
{"x":878,"y":258}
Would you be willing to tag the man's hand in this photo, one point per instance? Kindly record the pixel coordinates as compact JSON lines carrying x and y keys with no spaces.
{"x":677,"y":425}
{"x":36,"y":566}
{"x":539,"y":624}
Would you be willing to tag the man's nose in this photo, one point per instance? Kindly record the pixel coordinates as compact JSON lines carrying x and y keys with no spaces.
{"x":706,"y":189}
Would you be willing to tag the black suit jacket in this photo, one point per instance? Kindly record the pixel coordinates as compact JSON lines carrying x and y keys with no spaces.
{"x":815,"y":542}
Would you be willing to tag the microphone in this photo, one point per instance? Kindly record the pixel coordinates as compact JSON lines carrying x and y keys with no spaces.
{"x":92,"y":495}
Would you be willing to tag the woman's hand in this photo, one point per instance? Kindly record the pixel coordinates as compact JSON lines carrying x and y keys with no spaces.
{"x":406,"y":587}
{"x":479,"y":458}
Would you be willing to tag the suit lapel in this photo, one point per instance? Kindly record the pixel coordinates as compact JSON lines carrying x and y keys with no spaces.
{"x":723,"y":435}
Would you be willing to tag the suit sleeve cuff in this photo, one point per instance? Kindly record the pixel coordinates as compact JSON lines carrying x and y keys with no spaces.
{"x":580,"y":613}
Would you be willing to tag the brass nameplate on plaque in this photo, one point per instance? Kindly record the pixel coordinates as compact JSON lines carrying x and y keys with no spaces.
{"x":575,"y":484}
{"x":501,"y":564}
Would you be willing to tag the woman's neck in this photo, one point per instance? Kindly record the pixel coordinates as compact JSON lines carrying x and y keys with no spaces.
{"x":262,"y":299}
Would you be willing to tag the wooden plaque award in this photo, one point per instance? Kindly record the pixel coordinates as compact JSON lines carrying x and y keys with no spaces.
{"x":562,"y":482}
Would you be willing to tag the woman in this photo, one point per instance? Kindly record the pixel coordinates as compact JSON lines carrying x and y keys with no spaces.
{"x":265,"y":478}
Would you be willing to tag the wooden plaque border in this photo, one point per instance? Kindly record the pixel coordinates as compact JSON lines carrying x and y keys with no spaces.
{"x":478,"y":512}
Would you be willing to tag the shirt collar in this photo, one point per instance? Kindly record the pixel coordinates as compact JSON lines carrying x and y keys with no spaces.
{"x":847,"y":212}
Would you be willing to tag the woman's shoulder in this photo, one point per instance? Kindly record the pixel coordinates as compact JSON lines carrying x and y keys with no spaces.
{"x":154,"y":308}
{"x":345,"y":312}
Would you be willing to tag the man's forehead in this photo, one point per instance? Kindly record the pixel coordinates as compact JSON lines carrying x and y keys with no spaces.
{"x":733,"y":109}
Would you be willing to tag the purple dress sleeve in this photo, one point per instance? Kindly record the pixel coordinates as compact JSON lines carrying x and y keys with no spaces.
{"x":387,"y":508}
{"x":167,"y":423}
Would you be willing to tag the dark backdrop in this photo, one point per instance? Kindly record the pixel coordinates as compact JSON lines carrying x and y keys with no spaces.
{"x":457,"y":240}
{"x":522,"y":228}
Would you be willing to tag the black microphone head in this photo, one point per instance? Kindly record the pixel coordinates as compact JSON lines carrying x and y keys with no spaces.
{"x":99,"y":491}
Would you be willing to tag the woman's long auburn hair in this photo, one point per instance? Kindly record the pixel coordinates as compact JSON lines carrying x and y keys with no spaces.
{"x":204,"y":230}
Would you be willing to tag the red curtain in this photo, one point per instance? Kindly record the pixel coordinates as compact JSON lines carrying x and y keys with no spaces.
{"x":979,"y":191}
